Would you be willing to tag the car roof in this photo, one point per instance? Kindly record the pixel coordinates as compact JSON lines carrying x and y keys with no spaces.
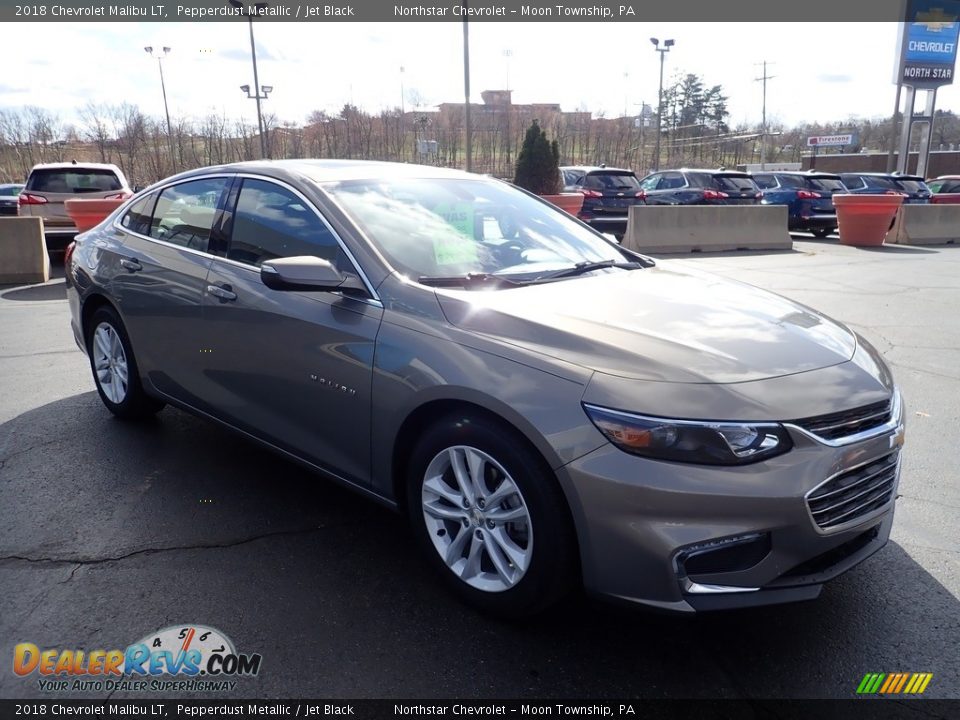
{"x":75,"y":164}
{"x":331,"y":170}
{"x":799,"y":173}
{"x":5,"y":185}
{"x":595,"y":168}
{"x":708,"y":171}
{"x":946,"y":177}
{"x":891,"y":176}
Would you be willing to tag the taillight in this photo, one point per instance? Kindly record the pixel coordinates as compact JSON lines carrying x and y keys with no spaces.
{"x":758,"y":195}
{"x":642,"y":195}
{"x":68,"y":253}
{"x":714,"y":195}
{"x":28,"y":199}
{"x":807,"y":195}
{"x":591,"y":193}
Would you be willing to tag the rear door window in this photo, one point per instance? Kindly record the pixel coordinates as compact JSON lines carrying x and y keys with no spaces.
{"x":765,"y":182}
{"x":852,"y":182}
{"x":137,"y":218}
{"x":672,"y":181}
{"x":650,"y":183}
{"x":73,"y":182}
{"x":185,"y":213}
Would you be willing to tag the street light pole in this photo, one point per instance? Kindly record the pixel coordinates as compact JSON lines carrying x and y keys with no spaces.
{"x":667,"y":44}
{"x":258,"y":7}
{"x":166,"y":109}
{"x":466,"y":86}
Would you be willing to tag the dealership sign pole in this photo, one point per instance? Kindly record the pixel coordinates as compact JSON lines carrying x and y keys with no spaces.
{"x":926,"y":58}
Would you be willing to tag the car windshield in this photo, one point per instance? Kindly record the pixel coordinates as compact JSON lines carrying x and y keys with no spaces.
{"x":10,"y":190}
{"x":451,"y":227}
{"x":73,"y":181}
{"x":827,"y":184}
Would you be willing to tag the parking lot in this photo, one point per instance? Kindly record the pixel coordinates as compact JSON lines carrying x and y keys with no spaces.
{"x":109,"y":531}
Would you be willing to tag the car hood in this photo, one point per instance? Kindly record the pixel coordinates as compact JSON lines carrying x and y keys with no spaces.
{"x":666,"y":323}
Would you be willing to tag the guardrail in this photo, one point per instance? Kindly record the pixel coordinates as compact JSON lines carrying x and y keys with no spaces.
{"x":706,"y":228}
{"x":23,"y":252}
{"x":926,"y":225}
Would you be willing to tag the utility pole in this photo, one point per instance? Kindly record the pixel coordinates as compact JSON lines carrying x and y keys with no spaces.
{"x":466,"y":86}
{"x":763,"y":132}
{"x":667,"y":44}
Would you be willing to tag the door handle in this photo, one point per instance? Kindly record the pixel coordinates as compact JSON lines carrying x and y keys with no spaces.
{"x":130,"y":264}
{"x":223,"y":292}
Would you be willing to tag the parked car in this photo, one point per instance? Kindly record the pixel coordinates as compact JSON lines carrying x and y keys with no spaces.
{"x":8,"y":198}
{"x":608,"y":194}
{"x":50,"y":185}
{"x":699,"y":187}
{"x":945,"y":190}
{"x":912,"y":186}
{"x":546,"y":407}
{"x":807,"y":195}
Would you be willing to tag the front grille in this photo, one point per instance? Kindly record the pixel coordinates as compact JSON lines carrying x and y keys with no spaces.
{"x":854,"y":494}
{"x":825,"y":561}
{"x":849,"y":422}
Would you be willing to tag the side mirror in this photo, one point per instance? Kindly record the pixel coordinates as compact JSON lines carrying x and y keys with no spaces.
{"x":306,"y":272}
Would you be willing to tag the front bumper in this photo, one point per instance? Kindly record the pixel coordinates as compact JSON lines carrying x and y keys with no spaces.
{"x":639,"y":521}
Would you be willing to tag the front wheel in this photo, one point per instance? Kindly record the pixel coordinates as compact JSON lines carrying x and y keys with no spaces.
{"x":115,"y":368}
{"x":821,"y":232}
{"x":490,"y":517}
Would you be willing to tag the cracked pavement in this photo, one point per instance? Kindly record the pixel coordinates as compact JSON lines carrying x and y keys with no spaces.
{"x":109,"y":531}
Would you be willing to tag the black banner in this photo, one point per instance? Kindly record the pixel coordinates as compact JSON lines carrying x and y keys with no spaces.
{"x":868,"y":709}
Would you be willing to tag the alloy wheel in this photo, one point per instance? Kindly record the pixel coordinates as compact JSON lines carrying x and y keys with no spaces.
{"x":110,"y":363}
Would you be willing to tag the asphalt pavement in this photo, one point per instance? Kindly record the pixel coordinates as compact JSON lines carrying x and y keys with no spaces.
{"x":110,"y":531}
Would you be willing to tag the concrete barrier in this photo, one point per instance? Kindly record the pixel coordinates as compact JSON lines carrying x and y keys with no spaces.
{"x":713,"y":228}
{"x":926,"y":225}
{"x":23,"y":252}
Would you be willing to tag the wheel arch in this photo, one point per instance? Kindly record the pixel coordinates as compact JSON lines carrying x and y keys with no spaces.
{"x":90,"y":305}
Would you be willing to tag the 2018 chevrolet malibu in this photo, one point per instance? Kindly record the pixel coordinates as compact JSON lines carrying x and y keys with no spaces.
{"x":548,"y":408}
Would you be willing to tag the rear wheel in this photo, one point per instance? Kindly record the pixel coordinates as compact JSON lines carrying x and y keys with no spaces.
{"x":115,"y":368}
{"x":821,"y":232}
{"x":490,"y":517}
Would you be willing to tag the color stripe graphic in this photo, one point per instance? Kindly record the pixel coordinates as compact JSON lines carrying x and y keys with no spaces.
{"x":898,"y":683}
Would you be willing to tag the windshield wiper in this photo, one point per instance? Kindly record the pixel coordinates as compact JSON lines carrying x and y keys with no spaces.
{"x":585,"y":267}
{"x":470,"y":281}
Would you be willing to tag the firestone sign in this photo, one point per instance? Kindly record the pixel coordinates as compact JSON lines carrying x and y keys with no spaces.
{"x":928,"y":43}
{"x":830,"y":140}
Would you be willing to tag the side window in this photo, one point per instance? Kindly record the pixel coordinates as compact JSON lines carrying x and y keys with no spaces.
{"x":650,"y":183}
{"x":137,"y":218}
{"x":185,"y":213}
{"x":853,"y":182}
{"x":271,"y":222}
{"x":671,"y":181}
{"x":792,"y":181}
{"x":952,"y":186}
{"x":765,"y":182}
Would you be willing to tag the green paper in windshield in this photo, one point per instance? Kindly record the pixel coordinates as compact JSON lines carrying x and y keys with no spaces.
{"x":456,"y":248}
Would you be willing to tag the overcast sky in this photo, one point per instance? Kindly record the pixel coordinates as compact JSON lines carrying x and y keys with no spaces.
{"x":824,"y":71}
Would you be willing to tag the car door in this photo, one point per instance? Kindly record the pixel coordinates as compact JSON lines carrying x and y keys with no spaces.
{"x":291,"y":367}
{"x":649,"y":187}
{"x":161,"y":263}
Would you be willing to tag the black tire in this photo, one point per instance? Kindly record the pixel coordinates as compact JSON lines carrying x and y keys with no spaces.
{"x":821,"y":232}
{"x":553,"y":566}
{"x":135,"y":403}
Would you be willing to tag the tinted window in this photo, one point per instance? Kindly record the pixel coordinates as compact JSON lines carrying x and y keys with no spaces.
{"x":571,"y":178}
{"x":827,"y":184}
{"x":853,"y":182}
{"x":650,"y":183}
{"x":73,"y":181}
{"x":935,"y":186}
{"x":137,"y":218}
{"x":612,"y":181}
{"x":185,"y":213}
{"x":880,"y":182}
{"x":271,"y":222}
{"x":765,"y":181}
{"x":912,"y":186}
{"x":11,"y":190}
{"x":671,"y":181}
{"x":951,"y":186}
{"x":791,"y":181}
{"x":701,"y":180}
{"x":735,"y":183}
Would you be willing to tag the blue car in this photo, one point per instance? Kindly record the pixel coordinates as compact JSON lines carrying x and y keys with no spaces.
{"x":807,"y":195}
{"x":912,"y":186}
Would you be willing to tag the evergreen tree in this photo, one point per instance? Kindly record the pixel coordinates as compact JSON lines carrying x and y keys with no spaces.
{"x":538,"y":164}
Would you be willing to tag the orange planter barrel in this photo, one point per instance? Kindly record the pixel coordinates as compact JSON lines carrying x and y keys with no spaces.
{"x":569,"y":202}
{"x":865,"y":219}
{"x":88,"y":213}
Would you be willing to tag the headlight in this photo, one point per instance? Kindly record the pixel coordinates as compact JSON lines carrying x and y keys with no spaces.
{"x":691,"y":441}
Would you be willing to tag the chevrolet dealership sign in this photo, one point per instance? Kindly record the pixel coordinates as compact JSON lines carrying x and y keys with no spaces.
{"x":928,"y":43}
